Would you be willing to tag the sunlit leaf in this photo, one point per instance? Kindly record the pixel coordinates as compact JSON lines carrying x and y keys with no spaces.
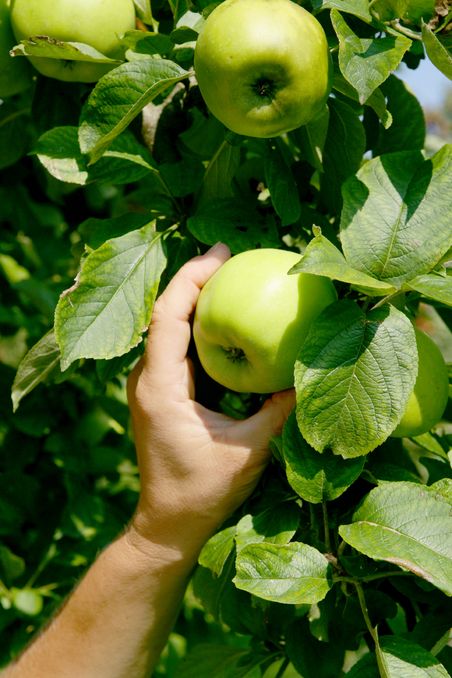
{"x":321,"y":257}
{"x":353,"y":376}
{"x":119,"y":97}
{"x":292,"y":573}
{"x":41,"y":361}
{"x":110,"y":307}
{"x":367,"y":62}
{"x":409,"y":525}
{"x":395,"y":222}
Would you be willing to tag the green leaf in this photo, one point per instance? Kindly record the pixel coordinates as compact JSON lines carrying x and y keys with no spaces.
{"x":311,"y":657}
{"x":391,"y":462}
{"x":14,"y":132}
{"x":402,"y":657}
{"x":430,"y":443}
{"x":126,"y":160}
{"x":275,"y":525}
{"x":12,"y":270}
{"x":220,"y":661}
{"x":436,"y":52}
{"x":407,"y":131}
{"x":47,"y":47}
{"x":310,"y":139}
{"x":395,"y":220}
{"x":217,"y":182}
{"x":183,"y":177}
{"x":385,"y":10}
{"x":41,"y":361}
{"x":95,"y":232}
{"x":366,"y":668}
{"x":316,"y":477}
{"x":433,"y":286}
{"x":226,"y":603}
{"x":217,"y":550}
{"x":409,"y":525}
{"x":353,"y":377}
{"x":292,"y":573}
{"x":342,"y":154}
{"x":85,"y":514}
{"x":111,"y":305}
{"x":153,"y":198}
{"x":12,"y":566}
{"x":376,"y":101}
{"x":321,"y":257}
{"x":443,"y":487}
{"x":191,"y":23}
{"x":119,"y":97}
{"x":433,"y":627}
{"x":178,"y":8}
{"x":143,"y":8}
{"x":146,"y":44}
{"x":236,"y":223}
{"x":367,"y":62}
{"x":359,"y":8}
{"x":281,"y":184}
{"x":205,"y":137}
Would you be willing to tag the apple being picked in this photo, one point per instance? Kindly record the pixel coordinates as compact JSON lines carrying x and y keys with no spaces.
{"x":98,"y":23}
{"x":263,"y":66}
{"x":252,"y":317}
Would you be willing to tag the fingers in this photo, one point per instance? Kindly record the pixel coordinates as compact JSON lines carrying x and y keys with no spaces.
{"x":269,"y":421}
{"x":169,"y":333}
{"x":180,"y":297}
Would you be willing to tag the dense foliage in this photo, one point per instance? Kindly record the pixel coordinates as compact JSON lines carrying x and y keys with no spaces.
{"x":341,"y":561}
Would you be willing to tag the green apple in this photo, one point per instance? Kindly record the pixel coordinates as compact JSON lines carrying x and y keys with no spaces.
{"x":252,"y":317}
{"x":15,"y":73}
{"x":98,"y":23}
{"x":428,"y":399}
{"x":263,"y":66}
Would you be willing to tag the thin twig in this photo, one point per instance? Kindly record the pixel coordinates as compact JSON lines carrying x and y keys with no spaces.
{"x":405,"y":31}
{"x":372,"y":577}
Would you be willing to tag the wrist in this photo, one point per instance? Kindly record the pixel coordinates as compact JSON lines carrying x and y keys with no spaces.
{"x":173,"y":542}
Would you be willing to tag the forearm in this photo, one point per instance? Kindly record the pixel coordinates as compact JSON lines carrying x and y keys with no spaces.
{"x":117,"y":621}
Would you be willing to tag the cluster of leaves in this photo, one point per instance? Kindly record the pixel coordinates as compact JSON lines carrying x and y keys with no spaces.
{"x":68,"y":476}
{"x":344,"y":550}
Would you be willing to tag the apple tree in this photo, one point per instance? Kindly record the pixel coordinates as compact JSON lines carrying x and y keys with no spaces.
{"x":115,"y":171}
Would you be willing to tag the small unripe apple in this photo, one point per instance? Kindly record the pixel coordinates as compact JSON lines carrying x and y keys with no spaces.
{"x":98,"y":23}
{"x":252,"y":317}
{"x":428,"y":399}
{"x":263,"y":66}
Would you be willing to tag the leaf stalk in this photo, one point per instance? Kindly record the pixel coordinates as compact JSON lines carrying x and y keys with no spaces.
{"x":404,"y":30}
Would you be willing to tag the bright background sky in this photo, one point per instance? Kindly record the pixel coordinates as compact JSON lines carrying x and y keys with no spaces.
{"x":427,"y":82}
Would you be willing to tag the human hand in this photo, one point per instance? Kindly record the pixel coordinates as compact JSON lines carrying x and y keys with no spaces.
{"x":197,"y":466}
